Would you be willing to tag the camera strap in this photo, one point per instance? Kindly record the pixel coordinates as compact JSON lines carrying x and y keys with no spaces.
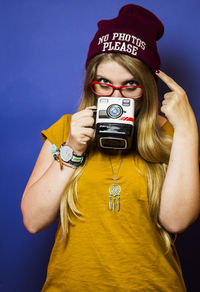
{"x":115,"y":189}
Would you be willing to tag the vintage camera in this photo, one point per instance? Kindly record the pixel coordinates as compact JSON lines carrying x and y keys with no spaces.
{"x":114,"y":122}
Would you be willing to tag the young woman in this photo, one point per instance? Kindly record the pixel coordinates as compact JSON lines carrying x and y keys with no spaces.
{"x":129,"y":245}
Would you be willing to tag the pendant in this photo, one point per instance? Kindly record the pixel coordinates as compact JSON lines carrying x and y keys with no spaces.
{"x":114,"y":190}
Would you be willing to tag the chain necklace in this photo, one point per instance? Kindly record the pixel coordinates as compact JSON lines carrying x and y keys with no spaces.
{"x":114,"y":189}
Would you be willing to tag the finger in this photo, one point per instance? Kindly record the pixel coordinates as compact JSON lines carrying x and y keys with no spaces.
{"x":163,"y":109}
{"x":82,"y":114}
{"x":169,"y":81}
{"x":86,"y":122}
{"x":84,"y":139}
{"x":92,"y":109}
{"x":164,"y":102}
{"x":83,"y":142}
{"x":88,"y":111}
{"x":88,"y":132}
{"x":169,"y":95}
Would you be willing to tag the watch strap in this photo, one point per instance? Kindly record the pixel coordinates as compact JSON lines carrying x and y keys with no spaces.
{"x":77,"y":159}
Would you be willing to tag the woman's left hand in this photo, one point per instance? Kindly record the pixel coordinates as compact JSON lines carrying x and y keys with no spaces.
{"x":180,"y":199}
{"x":176,"y":106}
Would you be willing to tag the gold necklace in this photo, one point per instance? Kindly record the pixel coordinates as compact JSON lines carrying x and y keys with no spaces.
{"x":114,"y":189}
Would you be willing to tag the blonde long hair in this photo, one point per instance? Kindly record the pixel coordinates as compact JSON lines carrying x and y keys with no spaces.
{"x":153,"y":145}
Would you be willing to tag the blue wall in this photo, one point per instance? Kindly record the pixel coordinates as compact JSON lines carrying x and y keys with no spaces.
{"x":43,"y":47}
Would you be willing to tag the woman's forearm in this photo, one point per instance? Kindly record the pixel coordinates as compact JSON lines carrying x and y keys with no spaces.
{"x":180,"y":197}
{"x":41,"y":200}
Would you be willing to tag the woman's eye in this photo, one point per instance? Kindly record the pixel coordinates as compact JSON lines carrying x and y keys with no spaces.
{"x":132,"y":83}
{"x":103,"y":80}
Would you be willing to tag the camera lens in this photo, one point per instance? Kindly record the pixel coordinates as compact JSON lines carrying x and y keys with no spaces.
{"x":114,"y":111}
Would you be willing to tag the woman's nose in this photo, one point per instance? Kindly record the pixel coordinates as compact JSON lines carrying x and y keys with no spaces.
{"x":116,"y":93}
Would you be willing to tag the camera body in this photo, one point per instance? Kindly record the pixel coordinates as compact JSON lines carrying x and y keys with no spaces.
{"x":114,"y":122}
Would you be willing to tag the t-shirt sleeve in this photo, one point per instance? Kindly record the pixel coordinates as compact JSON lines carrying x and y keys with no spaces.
{"x":58,"y":132}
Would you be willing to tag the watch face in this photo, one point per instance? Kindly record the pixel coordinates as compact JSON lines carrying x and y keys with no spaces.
{"x":66,"y":153}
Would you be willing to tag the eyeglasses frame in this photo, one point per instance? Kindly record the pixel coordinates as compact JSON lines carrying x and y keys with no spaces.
{"x":115,"y":88}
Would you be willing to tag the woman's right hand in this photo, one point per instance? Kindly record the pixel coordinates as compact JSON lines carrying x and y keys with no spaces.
{"x":81,"y":131}
{"x":41,"y":199}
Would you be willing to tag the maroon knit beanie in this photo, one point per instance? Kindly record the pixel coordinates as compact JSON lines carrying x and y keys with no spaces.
{"x":133,"y":32}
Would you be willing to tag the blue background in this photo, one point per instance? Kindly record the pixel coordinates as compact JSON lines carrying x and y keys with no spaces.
{"x":43,"y":47}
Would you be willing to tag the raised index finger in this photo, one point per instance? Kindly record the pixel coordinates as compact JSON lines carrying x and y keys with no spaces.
{"x":169,"y":81}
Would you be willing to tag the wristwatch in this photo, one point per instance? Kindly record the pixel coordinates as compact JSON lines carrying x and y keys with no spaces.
{"x":68,"y":156}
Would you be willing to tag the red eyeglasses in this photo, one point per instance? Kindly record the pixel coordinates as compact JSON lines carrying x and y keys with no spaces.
{"x":103,"y":89}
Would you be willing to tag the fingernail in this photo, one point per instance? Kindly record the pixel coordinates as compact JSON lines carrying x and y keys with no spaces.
{"x":157,"y":71}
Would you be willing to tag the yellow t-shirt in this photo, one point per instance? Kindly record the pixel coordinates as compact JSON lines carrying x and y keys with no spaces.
{"x":111,"y":251}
